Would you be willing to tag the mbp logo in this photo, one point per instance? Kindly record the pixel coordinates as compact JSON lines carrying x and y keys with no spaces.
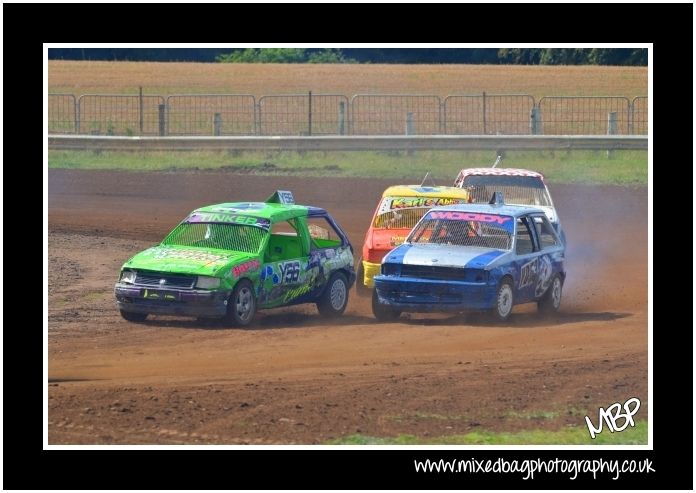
{"x":612,"y":414}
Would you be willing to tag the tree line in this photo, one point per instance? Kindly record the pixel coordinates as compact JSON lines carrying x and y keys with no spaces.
{"x":515,"y":56}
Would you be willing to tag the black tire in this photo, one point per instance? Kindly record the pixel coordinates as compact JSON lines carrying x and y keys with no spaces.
{"x":334,"y":299}
{"x":241,"y":306}
{"x":504,"y":300}
{"x":550,"y":302}
{"x":360,"y":288}
{"x":133,"y":316}
{"x":383,"y":313}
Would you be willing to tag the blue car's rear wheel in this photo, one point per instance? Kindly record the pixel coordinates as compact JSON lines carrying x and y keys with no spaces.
{"x":504,"y":300}
{"x":550,"y":302}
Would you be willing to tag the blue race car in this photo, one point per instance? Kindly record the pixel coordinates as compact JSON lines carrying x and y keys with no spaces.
{"x":473,"y":257}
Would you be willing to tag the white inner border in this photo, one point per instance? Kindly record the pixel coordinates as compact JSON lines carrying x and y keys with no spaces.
{"x":47,"y":446}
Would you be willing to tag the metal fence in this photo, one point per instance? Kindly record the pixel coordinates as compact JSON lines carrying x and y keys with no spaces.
{"x":487,"y":114}
{"x":395,"y":114}
{"x":303,"y":114}
{"x":336,"y":114}
{"x":116,"y":114}
{"x":62,"y":114}
{"x":211,"y":114}
{"x":584,"y":115}
{"x":639,"y":115}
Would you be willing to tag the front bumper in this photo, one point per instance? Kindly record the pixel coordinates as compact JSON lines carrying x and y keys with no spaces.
{"x":410,"y":294}
{"x":370,"y":270}
{"x":187,"y":302}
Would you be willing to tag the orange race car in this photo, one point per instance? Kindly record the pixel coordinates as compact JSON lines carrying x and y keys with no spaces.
{"x":398,"y":211}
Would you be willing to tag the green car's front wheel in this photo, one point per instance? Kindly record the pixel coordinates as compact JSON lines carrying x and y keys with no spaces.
{"x":241,"y":306}
{"x":334,"y":300}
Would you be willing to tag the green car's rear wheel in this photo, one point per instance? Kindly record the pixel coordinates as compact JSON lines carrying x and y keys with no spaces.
{"x":334,"y":299}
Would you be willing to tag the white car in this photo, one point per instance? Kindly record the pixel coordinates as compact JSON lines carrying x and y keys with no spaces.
{"x":519,"y":187}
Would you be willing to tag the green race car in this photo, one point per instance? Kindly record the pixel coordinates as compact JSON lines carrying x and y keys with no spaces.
{"x":229,"y":260}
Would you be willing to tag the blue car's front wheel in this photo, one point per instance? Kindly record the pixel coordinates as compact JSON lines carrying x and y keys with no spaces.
{"x":383,"y":313}
{"x":504,"y":300}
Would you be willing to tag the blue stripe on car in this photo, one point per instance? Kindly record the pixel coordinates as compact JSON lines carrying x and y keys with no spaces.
{"x":397,"y":255}
{"x":484,"y":259}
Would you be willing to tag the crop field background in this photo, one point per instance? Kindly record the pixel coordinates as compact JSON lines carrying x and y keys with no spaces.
{"x":80,"y":77}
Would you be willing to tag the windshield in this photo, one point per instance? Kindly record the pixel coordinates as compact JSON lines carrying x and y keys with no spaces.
{"x":400,"y":219}
{"x":464,"y":229}
{"x":405,"y":212}
{"x":517,"y":190}
{"x":215,"y":235}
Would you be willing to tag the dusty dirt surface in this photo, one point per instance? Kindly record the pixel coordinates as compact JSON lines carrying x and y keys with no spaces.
{"x":294,"y":378}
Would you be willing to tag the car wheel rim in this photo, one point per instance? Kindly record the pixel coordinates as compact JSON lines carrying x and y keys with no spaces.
{"x":556,"y":293}
{"x":338,"y":294}
{"x":504,"y":300}
{"x":244,"y":303}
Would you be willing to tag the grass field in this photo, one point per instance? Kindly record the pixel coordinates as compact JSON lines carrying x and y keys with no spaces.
{"x":84,"y":77}
{"x":625,"y":167}
{"x":574,"y":435}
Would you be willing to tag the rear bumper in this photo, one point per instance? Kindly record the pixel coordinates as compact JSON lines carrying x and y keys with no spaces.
{"x":370,"y":270}
{"x":191,"y":303}
{"x":411,"y":294}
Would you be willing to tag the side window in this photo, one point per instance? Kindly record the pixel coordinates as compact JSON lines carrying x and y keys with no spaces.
{"x":523,"y":238}
{"x":545,"y":232}
{"x":322,"y":233}
{"x":283,"y":243}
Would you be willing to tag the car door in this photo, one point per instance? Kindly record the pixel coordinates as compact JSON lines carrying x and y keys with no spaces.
{"x":551,"y":255}
{"x":285,"y":263}
{"x":527,"y":259}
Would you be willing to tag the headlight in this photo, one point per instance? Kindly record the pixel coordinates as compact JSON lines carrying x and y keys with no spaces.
{"x":205,"y":282}
{"x":128,"y":276}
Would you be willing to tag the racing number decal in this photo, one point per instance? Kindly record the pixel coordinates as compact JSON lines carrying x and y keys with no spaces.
{"x":527,"y":272}
{"x":289,"y":272}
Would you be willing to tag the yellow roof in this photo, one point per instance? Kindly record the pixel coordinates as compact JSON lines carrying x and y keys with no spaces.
{"x":422,"y":191}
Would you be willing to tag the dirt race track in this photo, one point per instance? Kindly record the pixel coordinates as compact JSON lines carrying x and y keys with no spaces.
{"x":291,"y":378}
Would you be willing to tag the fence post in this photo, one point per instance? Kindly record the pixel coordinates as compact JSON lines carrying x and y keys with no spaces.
{"x":77,"y":116}
{"x":409,"y":129}
{"x":535,"y":121}
{"x":217,"y":123}
{"x":160,"y":119}
{"x":611,"y":127}
{"x":483,"y":106}
{"x":140,"y":108}
{"x":309,"y":116}
{"x":341,"y":118}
